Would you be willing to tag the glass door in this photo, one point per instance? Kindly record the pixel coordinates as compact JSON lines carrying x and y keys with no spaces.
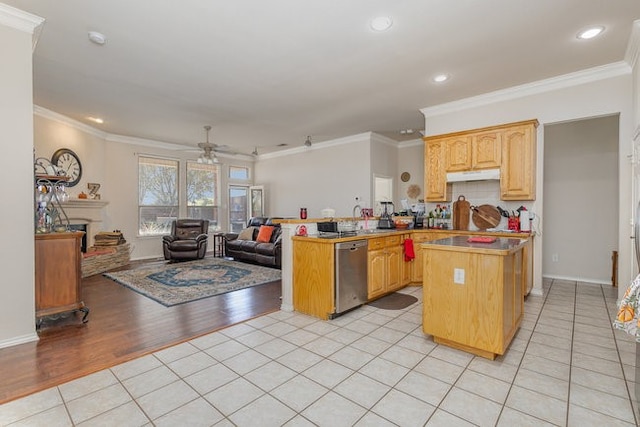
{"x":238,"y":207}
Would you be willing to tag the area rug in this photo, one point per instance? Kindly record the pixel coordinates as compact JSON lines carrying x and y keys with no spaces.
{"x":176,"y":283}
{"x":394,"y":301}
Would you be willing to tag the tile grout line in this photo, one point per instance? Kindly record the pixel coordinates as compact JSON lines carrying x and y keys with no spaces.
{"x":624,"y":375}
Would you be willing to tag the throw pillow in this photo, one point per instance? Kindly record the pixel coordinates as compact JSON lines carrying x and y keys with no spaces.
{"x":246,"y":234}
{"x":264,"y":235}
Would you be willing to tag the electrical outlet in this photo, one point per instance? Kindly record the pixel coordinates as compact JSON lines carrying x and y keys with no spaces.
{"x":458,"y":276}
{"x":554,"y":257}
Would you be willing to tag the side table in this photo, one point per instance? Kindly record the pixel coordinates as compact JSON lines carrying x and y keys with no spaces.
{"x":218,"y":245}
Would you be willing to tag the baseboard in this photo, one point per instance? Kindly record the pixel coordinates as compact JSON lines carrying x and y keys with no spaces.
{"x":19,"y":340}
{"x":583,"y":280}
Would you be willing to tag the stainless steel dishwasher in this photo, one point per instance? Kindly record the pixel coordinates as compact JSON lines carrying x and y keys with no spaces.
{"x":351,"y":275}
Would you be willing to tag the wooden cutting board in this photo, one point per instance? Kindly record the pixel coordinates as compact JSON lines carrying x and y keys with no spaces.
{"x":461,"y":213}
{"x":485,"y":216}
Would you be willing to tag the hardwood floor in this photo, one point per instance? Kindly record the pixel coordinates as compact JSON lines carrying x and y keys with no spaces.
{"x":123,"y":325}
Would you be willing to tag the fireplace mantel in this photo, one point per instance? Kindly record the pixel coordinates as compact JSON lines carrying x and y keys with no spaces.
{"x":86,"y":211}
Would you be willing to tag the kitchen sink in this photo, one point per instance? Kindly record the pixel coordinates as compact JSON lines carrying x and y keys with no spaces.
{"x":372,"y":231}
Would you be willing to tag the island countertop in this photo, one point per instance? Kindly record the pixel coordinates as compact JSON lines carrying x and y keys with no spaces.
{"x":501,"y":245}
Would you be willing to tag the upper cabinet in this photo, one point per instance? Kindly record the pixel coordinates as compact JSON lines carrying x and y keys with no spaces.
{"x":518,"y":174}
{"x":435,"y":174}
{"x":468,"y":152}
{"x":510,"y":147}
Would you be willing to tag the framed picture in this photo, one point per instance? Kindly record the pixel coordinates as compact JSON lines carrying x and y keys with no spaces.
{"x":257,"y":200}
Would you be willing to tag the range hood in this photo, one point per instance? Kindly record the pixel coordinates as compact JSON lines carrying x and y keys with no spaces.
{"x":479,"y":175}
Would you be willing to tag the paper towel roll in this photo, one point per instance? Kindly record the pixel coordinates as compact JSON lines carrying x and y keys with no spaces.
{"x":525,"y":221}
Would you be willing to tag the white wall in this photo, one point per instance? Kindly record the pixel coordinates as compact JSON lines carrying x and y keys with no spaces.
{"x":411,"y":160}
{"x":581,"y":199}
{"x":17,"y":307}
{"x":597,"y":96}
{"x":326,"y":175}
{"x":114,"y":165}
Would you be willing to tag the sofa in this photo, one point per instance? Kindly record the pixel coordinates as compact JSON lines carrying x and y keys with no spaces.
{"x":259,"y":243}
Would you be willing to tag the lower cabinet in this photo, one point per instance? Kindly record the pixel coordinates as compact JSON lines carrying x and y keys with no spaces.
{"x":418,"y":239}
{"x":58,"y":274}
{"x":407,"y":266}
{"x":384,"y":265}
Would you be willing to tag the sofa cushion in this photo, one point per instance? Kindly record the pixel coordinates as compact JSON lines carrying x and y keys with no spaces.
{"x":248,"y":246}
{"x":246,"y":234}
{"x":264,"y":235}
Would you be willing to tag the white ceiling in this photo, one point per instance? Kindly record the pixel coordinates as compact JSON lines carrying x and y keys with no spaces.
{"x":264,"y":73}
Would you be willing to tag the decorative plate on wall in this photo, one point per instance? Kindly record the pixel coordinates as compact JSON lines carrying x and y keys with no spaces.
{"x":413,"y":191}
{"x":406,"y":176}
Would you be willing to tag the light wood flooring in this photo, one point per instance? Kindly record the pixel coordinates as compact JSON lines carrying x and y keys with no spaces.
{"x":123,"y":325}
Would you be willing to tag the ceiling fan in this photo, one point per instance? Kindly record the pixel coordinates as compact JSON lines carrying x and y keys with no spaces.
{"x":210,"y":149}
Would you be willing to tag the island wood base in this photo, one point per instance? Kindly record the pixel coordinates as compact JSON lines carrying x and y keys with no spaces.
{"x":478,"y":352}
{"x":480,"y":309}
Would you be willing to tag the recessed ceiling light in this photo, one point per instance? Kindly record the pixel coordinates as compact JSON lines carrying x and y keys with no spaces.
{"x":381,"y":23}
{"x":97,"y":38}
{"x":96,"y":119}
{"x":590,"y":33}
{"x":440,"y":78}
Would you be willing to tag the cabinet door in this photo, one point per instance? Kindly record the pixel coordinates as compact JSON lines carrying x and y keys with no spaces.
{"x":406,"y":266}
{"x":376,"y":275}
{"x":436,"y":188}
{"x":394,"y":260}
{"x":518,"y":180}
{"x":457,"y":154}
{"x":486,"y":150}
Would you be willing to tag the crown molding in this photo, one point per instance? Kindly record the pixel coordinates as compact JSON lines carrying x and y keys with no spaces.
{"x":633,"y":48}
{"x":57,"y":117}
{"x":411,"y":143}
{"x":567,"y":80}
{"x":19,"y":19}
{"x":365,"y":136}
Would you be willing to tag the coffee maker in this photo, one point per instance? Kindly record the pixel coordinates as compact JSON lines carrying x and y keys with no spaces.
{"x":386,"y":221}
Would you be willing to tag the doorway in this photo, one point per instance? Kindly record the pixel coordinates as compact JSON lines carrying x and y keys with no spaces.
{"x":581,"y":192}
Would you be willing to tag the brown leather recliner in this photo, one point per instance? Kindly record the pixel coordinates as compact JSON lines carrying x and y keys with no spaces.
{"x":188,"y":240}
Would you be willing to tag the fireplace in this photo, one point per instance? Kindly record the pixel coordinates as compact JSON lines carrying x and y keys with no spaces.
{"x":81,"y":227}
{"x":87,"y":215}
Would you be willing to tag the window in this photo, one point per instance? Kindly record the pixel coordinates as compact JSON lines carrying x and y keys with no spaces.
{"x":238,"y":202}
{"x":237,"y":172}
{"x":202,"y":192}
{"x":157,"y":195}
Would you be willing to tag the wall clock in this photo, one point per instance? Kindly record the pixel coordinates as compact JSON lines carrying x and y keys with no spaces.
{"x":406,"y":176}
{"x":69,"y":163}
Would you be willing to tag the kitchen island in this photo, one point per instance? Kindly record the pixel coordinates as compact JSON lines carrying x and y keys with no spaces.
{"x":473,"y":293}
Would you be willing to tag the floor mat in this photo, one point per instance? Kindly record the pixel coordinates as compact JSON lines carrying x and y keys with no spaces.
{"x":394,"y":301}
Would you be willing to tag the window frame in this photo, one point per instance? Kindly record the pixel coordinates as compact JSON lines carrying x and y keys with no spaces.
{"x":172,"y":162}
{"x":215,"y":221}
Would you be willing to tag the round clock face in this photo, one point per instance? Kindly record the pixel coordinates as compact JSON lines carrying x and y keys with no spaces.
{"x":69,"y":163}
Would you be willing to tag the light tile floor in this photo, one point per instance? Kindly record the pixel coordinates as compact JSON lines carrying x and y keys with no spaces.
{"x":565,"y":367}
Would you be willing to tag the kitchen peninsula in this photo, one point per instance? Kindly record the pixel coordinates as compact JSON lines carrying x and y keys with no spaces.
{"x":308,"y":266}
{"x":473,"y":293}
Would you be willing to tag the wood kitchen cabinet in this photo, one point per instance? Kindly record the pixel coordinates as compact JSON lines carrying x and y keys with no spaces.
{"x":510,"y":147}
{"x":418,"y":239}
{"x":436,"y":187}
{"x":518,"y":174}
{"x":314,"y":277}
{"x":384,"y":265}
{"x":472,"y":297}
{"x":473,"y":151}
{"x":58,"y":274}
{"x":407,"y":266}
